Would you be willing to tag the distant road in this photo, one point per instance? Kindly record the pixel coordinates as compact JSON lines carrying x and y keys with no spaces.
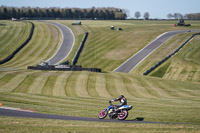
{"x":136,"y":59}
{"x":66,"y":46}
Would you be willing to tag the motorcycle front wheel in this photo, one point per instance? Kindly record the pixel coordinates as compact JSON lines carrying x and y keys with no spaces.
{"x":123,"y":115}
{"x":103,"y":114}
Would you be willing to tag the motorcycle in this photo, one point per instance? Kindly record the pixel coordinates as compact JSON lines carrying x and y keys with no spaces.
{"x":120,"y":113}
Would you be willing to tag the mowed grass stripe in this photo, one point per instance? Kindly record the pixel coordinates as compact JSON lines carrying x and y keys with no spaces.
{"x":28,"y":49}
{"x":139,"y":89}
{"x":49,"y":85}
{"x":5,"y":28}
{"x":38,"y":84}
{"x":120,"y":86}
{"x":95,"y":54}
{"x":23,"y":87}
{"x":91,"y":85}
{"x":71,"y":85}
{"x":90,"y":50}
{"x":43,"y":45}
{"x":78,"y":85}
{"x":100,"y":86}
{"x":162,"y":93}
{"x":36,"y":45}
{"x":7,"y":36}
{"x":153,"y":89}
{"x":130,"y":86}
{"x":14,"y":33}
{"x":81,"y":84}
{"x":61,"y":81}
{"x":22,"y":31}
{"x":172,"y":89}
{"x":55,"y":40}
{"x":6,"y":78}
{"x":110,"y":86}
{"x":48,"y":45}
{"x":14,"y":82}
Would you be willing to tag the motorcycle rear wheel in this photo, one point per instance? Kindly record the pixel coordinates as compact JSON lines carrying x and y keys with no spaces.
{"x":123,"y":115}
{"x":102,"y":114}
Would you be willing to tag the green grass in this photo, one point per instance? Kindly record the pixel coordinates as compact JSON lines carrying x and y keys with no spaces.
{"x":84,"y":94}
{"x":108,"y":49}
{"x":10,"y":32}
{"x":21,"y":125}
{"x":184,"y":66}
{"x":80,"y":92}
{"x":161,"y":71}
{"x":44,"y":43}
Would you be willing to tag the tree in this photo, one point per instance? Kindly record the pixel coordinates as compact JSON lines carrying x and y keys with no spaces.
{"x":5,"y":13}
{"x":169,"y":16}
{"x":119,"y":16}
{"x":13,"y":13}
{"x":137,"y":14}
{"x":178,"y":16}
{"x":69,"y":13}
{"x":146,"y":15}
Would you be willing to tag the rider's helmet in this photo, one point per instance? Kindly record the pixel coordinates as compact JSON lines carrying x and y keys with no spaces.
{"x":122,"y":96}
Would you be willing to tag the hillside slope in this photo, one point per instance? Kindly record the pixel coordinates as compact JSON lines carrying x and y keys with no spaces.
{"x":12,"y":35}
{"x":44,"y":43}
{"x":107,"y":49}
{"x":85,"y":93}
{"x":69,"y":92}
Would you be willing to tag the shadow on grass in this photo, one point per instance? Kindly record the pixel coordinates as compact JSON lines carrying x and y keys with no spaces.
{"x":137,"y":119}
{"x":2,"y":24}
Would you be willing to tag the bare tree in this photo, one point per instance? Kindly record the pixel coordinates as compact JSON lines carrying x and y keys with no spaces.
{"x":137,"y":14}
{"x":178,"y":16}
{"x":146,"y":15}
{"x":126,"y":11}
{"x":169,"y":16}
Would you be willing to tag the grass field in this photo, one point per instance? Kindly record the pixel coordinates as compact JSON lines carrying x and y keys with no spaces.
{"x":108,"y":49}
{"x":10,"y":32}
{"x":57,"y":126}
{"x":44,"y":43}
{"x":184,"y":66}
{"x":85,"y":93}
{"x":69,"y":92}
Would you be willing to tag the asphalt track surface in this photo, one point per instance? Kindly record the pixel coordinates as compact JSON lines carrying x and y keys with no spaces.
{"x":27,"y":114}
{"x":136,"y":59}
{"x":66,"y":46}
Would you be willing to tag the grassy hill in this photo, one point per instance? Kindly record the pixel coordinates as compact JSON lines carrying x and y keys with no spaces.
{"x":108,"y":49}
{"x":12,"y":35}
{"x":151,"y":97}
{"x":44,"y":43}
{"x":85,"y":93}
{"x":184,"y":66}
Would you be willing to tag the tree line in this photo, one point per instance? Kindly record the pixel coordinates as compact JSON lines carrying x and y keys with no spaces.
{"x":192,"y":16}
{"x":62,"y":13}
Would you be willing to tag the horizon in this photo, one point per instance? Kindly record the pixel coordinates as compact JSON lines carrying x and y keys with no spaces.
{"x":153,"y":7}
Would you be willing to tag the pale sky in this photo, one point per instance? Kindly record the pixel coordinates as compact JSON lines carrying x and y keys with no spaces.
{"x":156,"y":8}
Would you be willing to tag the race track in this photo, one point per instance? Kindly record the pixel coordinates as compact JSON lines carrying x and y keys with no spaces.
{"x":136,"y":59}
{"x":29,"y":114}
{"x":66,"y":46}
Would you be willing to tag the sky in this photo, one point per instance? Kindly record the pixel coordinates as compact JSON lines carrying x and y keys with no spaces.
{"x":156,"y":8}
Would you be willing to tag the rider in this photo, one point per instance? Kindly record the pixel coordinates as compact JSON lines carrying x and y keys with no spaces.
{"x":122,"y":100}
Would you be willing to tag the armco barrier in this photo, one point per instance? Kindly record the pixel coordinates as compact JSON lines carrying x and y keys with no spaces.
{"x":20,"y":47}
{"x":80,"y":49}
{"x":169,"y":56}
